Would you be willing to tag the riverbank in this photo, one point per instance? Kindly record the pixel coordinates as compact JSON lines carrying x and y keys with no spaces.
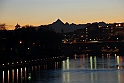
{"x":32,"y":62}
{"x":93,"y":48}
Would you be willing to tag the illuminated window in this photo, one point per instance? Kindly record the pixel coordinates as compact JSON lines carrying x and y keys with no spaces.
{"x":81,"y":35}
{"x":99,"y":26}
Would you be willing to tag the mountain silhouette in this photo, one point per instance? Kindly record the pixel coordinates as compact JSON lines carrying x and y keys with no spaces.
{"x":66,"y":23}
{"x":58,"y":22}
{"x":58,"y":25}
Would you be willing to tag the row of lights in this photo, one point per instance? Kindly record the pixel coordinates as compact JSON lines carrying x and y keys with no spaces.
{"x":109,"y":55}
{"x":29,"y":61}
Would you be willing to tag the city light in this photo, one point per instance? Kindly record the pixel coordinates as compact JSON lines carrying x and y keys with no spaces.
{"x":119,"y":25}
{"x":82,"y":36}
{"x":100,"y":26}
{"x":20,"y":42}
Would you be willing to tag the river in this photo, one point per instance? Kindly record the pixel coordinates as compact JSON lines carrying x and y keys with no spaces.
{"x":105,"y":68}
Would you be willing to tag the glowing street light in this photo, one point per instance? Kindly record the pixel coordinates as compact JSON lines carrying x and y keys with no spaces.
{"x":117,"y":39}
{"x":20,"y":42}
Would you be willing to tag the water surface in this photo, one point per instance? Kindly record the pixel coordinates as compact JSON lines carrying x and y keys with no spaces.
{"x":82,"y":69}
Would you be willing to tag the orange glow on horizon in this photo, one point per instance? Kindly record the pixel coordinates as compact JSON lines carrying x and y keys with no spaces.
{"x":11,"y":25}
{"x":44,"y":12}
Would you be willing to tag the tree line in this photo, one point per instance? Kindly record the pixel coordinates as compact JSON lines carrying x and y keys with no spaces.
{"x":28,"y":43}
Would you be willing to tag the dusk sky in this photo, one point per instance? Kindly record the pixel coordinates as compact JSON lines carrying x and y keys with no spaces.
{"x":41,"y":12}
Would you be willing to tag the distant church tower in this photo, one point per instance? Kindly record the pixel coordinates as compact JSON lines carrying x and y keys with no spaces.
{"x":17,"y":26}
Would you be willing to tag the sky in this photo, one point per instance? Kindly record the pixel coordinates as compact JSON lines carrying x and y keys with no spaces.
{"x":43,"y":12}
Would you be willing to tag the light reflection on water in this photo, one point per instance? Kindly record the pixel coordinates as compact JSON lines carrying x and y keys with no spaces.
{"x":8,"y":76}
{"x":86,"y":69}
{"x":3,"y":76}
{"x":12,"y":75}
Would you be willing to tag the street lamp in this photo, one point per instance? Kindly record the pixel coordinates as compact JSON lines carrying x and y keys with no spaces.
{"x":20,"y":42}
{"x":117,"y":39}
